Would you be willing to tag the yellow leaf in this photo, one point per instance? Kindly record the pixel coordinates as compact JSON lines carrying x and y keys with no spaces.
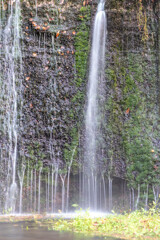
{"x":34,"y":54}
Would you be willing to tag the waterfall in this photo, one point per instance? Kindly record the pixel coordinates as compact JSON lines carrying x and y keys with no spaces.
{"x":63,"y":178}
{"x":35,"y":190}
{"x":39,"y":191}
{"x":21,"y":179}
{"x":55,"y":187}
{"x":110,"y":193}
{"x":92,"y":133}
{"x":31,"y":191}
{"x":68,"y":178}
{"x":48,"y":195}
{"x":10,"y":97}
{"x":52,"y":188}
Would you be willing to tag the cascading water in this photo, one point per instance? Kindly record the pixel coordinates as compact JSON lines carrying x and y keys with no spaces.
{"x":43,"y":183}
{"x":11,"y":85}
{"x":97,"y":62}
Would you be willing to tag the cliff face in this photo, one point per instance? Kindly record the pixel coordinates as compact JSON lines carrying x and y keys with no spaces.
{"x":56,"y":39}
{"x":56,"y":48}
{"x":54,"y":75}
{"x":133,"y":77}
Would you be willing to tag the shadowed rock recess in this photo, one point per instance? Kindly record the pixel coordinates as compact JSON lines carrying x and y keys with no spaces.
{"x":43,"y":134}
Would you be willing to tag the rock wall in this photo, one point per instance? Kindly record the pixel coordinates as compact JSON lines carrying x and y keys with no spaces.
{"x":56,"y":39}
{"x":133,"y":96}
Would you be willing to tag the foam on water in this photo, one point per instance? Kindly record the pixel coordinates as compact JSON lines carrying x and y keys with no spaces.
{"x":78,"y":213}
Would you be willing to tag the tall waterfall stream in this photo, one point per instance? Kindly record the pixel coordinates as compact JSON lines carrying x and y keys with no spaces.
{"x":92,"y":196}
{"x":11,"y":98}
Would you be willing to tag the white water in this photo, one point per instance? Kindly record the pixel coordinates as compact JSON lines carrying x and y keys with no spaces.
{"x":75,"y":214}
{"x":97,"y":63}
{"x":39,"y":191}
{"x":11,"y":85}
{"x":35,"y":183}
{"x":63,"y":178}
{"x":68,"y":179}
{"x":21,"y":179}
{"x":52,"y":189}
{"x":31,"y":191}
{"x":55,"y":187}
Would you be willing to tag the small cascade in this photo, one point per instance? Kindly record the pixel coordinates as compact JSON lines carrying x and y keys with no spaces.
{"x":52,"y":189}
{"x":39,"y":190}
{"x":31,"y":191}
{"x":63,"y":178}
{"x":110,"y":192}
{"x":48,"y":193}
{"x":92,"y":133}
{"x":28,"y":186}
{"x":138,"y":197}
{"x":104,"y":191}
{"x":21,"y":179}
{"x":55,"y":188}
{"x":68,"y":179}
{"x":35,"y":190}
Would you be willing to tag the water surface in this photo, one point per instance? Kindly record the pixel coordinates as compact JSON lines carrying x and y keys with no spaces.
{"x":31,"y":231}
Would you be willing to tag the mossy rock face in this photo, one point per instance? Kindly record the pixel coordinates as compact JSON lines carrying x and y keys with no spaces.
{"x":56,"y":48}
{"x":132,"y":110}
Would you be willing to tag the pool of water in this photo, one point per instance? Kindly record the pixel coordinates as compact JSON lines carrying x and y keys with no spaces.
{"x":31,"y":231}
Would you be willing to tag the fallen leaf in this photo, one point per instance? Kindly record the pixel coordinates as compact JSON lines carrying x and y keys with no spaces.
{"x":57,"y":34}
{"x":155,"y":167}
{"x":127,"y":111}
{"x":31,"y":105}
{"x":37,"y":27}
{"x":34,"y":24}
{"x":34,"y":54}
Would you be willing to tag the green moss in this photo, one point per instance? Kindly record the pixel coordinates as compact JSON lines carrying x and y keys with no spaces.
{"x":81,"y":60}
{"x":35,"y":156}
{"x":71,"y":150}
{"x":128,"y":117}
